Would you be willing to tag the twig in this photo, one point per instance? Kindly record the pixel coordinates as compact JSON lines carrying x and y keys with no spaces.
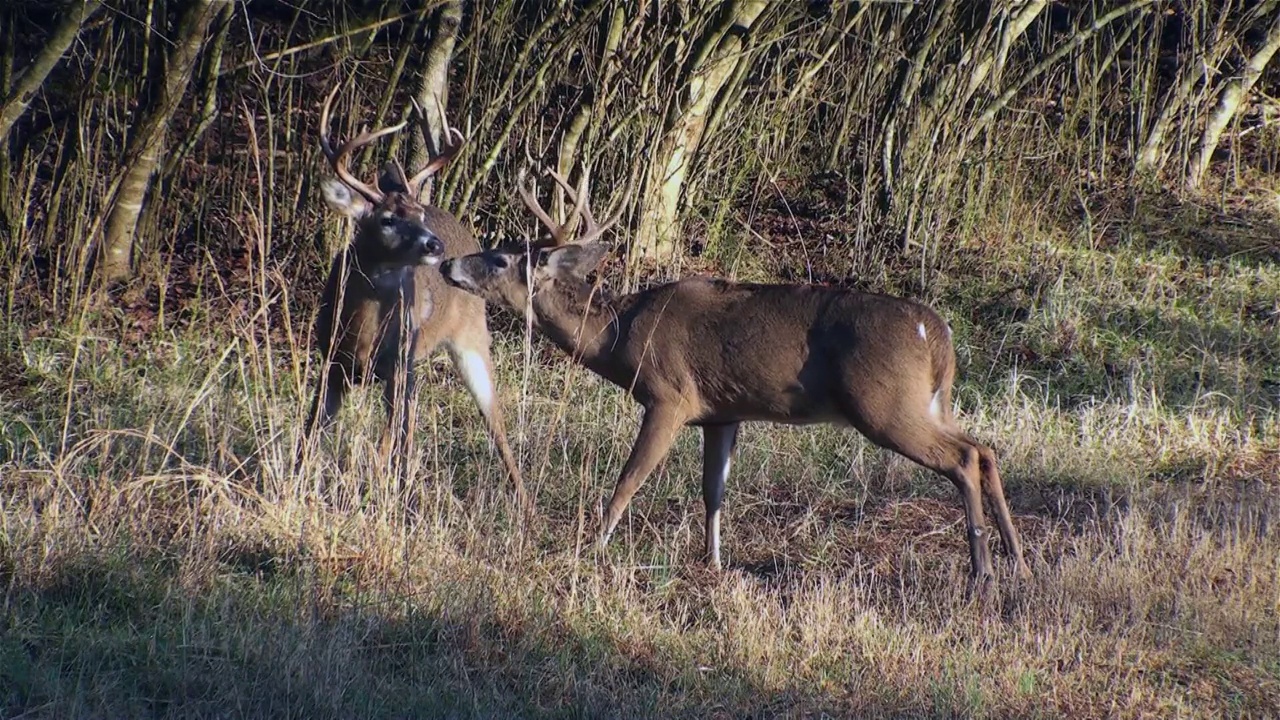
{"x":263,"y":59}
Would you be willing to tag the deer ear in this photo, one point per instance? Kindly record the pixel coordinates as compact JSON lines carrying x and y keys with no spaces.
{"x":572,"y":261}
{"x":393,"y":178}
{"x":341,"y":199}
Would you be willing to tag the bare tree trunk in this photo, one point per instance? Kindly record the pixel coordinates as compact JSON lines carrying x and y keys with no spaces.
{"x":1179,"y":109}
{"x":7,"y":50}
{"x":393,"y":82}
{"x":1151,"y":155}
{"x":143,"y":153}
{"x":585,"y":120}
{"x":33,"y":76}
{"x":207,"y":87}
{"x":433,"y":90}
{"x":507,"y":100}
{"x":1229,"y":104}
{"x":992,"y":108}
{"x":921,"y":144}
{"x":839,"y":28}
{"x":711,"y":66}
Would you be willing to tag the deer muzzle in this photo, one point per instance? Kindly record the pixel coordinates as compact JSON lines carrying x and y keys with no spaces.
{"x":455,"y":273}
{"x":430,"y":249}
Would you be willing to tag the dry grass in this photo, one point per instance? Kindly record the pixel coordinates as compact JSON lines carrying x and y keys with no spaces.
{"x":161,"y":556}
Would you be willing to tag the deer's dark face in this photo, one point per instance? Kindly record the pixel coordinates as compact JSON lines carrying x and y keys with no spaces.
{"x":390,"y":232}
{"x":497,"y":276}
{"x":504,"y":276}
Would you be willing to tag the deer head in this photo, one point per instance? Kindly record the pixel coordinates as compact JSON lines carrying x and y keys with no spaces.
{"x":390,"y":221}
{"x":507,"y":276}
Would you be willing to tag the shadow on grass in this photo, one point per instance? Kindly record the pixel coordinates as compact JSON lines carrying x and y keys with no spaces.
{"x":122,"y":636}
{"x":1182,"y":360}
{"x":1249,"y":233}
{"x":1202,"y":327}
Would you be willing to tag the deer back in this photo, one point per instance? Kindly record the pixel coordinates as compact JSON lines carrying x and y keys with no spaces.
{"x":747,"y":351}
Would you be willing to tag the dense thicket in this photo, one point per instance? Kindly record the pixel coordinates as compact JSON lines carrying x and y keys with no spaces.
{"x":146,"y":133}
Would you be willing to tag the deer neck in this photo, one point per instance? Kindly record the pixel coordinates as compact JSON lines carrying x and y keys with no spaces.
{"x":378,"y":271}
{"x":580,"y":319}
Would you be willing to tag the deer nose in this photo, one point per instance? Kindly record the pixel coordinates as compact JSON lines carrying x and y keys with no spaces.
{"x":430,"y":246}
{"x":454,"y":273}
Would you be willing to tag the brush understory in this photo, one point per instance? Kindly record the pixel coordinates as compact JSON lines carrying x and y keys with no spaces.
{"x":160,"y":554}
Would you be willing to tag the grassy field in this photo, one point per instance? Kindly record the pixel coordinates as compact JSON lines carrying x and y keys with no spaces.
{"x":161,"y":556}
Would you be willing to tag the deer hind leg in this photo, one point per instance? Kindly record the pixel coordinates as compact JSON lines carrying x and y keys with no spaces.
{"x":963,"y":468}
{"x":949,"y":454}
{"x":475,"y":365}
{"x":993,"y":488}
{"x":718,"y":443}
{"x":657,"y":434}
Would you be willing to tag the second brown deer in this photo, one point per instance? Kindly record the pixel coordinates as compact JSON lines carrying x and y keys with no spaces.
{"x":385,"y":307}
{"x":713,"y":354}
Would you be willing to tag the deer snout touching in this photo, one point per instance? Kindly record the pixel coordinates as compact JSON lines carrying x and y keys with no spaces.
{"x":462,"y":272}
{"x":483,"y":274}
{"x":455,"y":273}
{"x":430,"y":249}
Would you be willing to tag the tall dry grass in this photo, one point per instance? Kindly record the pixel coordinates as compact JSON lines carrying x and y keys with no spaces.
{"x":163,"y":557}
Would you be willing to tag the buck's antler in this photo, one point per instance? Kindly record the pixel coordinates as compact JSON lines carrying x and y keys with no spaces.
{"x":561,"y":234}
{"x":338,"y":159}
{"x":450,"y":145}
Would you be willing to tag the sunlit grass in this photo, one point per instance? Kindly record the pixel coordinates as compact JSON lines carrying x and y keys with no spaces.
{"x":162,"y":555}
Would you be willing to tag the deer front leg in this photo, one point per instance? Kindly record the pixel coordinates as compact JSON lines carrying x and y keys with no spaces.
{"x":330,"y":391}
{"x":657,"y":434}
{"x":476,"y":367}
{"x":328,"y":398}
{"x":718,"y":442}
{"x":399,"y":399}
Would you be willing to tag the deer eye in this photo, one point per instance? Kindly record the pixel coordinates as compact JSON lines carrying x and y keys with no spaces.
{"x":387,"y":221}
{"x":501,"y":261}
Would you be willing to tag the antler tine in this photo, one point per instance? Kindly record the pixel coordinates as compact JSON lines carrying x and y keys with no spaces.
{"x":338,"y":159}
{"x":450,"y":145}
{"x":578,"y":196}
{"x":580,"y":209}
{"x":324,"y":121}
{"x":528,"y":194}
{"x":582,"y":205}
{"x":615,"y":213}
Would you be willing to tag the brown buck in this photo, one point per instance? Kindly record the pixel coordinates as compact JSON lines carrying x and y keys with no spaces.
{"x":385,"y":306}
{"x":713,"y":354}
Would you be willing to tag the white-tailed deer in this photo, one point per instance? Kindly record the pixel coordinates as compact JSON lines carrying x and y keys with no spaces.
{"x":713,"y":354}
{"x":385,"y":306}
